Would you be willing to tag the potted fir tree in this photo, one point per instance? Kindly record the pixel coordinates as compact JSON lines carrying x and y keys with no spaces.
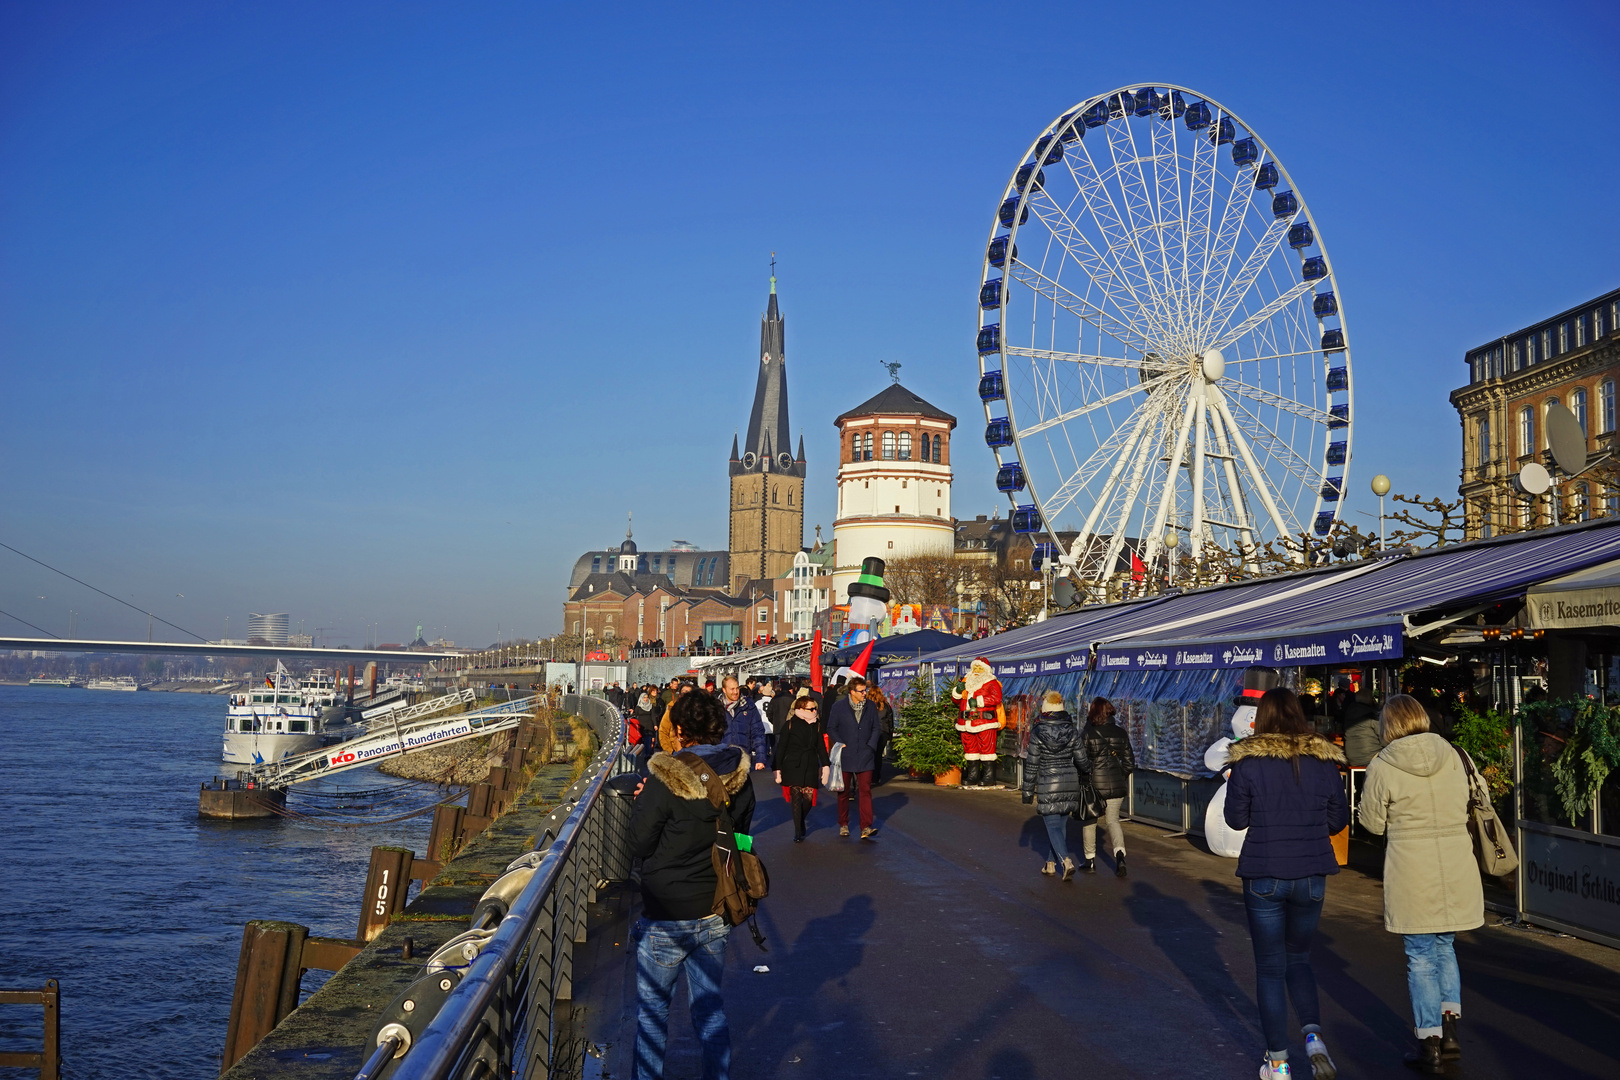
{"x":926,"y":740}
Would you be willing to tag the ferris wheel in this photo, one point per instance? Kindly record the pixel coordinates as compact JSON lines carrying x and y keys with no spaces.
{"x":1163,"y":354}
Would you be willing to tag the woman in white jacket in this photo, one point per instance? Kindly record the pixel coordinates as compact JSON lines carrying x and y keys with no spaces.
{"x":1417,"y":791}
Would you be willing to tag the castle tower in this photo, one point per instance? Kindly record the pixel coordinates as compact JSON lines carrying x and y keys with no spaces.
{"x":894,"y":483}
{"x":767,"y":479}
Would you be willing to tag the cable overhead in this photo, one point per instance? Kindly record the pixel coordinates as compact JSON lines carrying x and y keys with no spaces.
{"x":28,"y":624}
{"x":103,"y":592}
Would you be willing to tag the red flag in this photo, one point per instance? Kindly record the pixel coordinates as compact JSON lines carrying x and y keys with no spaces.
{"x":815,"y":661}
{"x":859,"y":666}
{"x":1138,"y":568}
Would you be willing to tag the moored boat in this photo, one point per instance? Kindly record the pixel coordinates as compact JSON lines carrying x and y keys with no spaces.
{"x":272,"y":721}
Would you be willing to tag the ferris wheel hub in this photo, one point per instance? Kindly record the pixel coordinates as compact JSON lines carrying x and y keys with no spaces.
{"x":1214,"y":365}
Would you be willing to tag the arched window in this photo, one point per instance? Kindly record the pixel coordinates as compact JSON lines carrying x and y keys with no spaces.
{"x":905,"y":446}
{"x":790,"y":496}
{"x":1606,"y":406}
{"x":888,"y":446}
{"x":925,"y":451}
{"x":937,"y":457}
{"x":868,"y":446}
{"x":1484,"y":454}
{"x":1546,"y":407}
{"x":1527,"y":431}
{"x":776,"y":495}
{"x":1577,"y":405}
{"x":854,"y":448}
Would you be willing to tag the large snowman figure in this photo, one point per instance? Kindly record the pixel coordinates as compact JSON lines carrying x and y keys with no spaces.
{"x":868,"y":604}
{"x":1224,"y":840}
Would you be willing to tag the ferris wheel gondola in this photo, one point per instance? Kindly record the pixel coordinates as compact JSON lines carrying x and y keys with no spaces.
{"x":1162,"y":346}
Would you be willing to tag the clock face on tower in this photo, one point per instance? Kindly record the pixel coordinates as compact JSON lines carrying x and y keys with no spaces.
{"x":785,"y":460}
{"x":749,"y":460}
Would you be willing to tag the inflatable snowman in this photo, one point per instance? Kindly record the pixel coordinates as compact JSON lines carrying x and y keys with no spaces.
{"x":1224,"y":840}
{"x":868,"y":604}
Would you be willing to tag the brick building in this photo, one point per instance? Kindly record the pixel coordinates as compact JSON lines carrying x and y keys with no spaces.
{"x":1572,"y":357}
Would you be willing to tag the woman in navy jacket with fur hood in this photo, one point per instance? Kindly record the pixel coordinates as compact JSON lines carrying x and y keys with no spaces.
{"x":1286,"y":790}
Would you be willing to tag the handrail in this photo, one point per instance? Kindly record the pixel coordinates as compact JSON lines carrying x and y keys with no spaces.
{"x":502,"y":978}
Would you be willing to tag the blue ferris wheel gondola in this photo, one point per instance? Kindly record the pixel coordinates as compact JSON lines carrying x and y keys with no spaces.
{"x":1010,"y":477}
{"x":1313,"y":269}
{"x":1043,"y":553}
{"x":990,"y":295}
{"x":1333,"y":340}
{"x":1266,"y":176}
{"x":1301,"y":235}
{"x":996,"y":254}
{"x":1324,"y":522}
{"x":1026,"y":519}
{"x":989,"y":339}
{"x":991,"y":386}
{"x":1283,"y":204}
{"x":998,"y":432}
{"x":1324,"y":305}
{"x":1008,"y":209}
{"x":1244,"y":152}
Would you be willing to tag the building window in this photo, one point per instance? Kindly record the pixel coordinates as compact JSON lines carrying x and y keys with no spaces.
{"x":868,"y":446}
{"x":888,"y":446}
{"x":762,"y":614}
{"x":1563,"y":338}
{"x":891,"y":543}
{"x":1580,"y":329}
{"x":854,"y":448}
{"x":1612,"y":501}
{"x":1597,"y":323}
{"x":924,"y":453}
{"x":1577,"y":402}
{"x":1583,"y":502}
{"x":1606,"y":405}
{"x":790,"y":496}
{"x":776,"y":495}
{"x":1527,"y":431}
{"x":1518,"y":360}
{"x":1546,"y":345}
{"x":1484,"y":454}
{"x":905,"y":446}
{"x":937,"y":458}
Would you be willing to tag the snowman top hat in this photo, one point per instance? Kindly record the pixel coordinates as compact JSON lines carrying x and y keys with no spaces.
{"x":1257,"y":679}
{"x":870,"y":583}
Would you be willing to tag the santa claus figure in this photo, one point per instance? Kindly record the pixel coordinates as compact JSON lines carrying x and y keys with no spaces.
{"x":978,"y":696}
{"x":1224,"y":840}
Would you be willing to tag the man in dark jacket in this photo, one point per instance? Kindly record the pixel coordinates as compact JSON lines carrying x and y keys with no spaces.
{"x":744,"y":728}
{"x":856,"y":724}
{"x":672,"y":829}
{"x":1361,"y":742}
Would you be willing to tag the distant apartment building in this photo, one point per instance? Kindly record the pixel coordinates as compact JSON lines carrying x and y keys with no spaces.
{"x":271,"y":629}
{"x":1572,"y":357}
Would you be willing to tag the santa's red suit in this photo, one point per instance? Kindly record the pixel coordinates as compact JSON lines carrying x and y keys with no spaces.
{"x":980,"y":703}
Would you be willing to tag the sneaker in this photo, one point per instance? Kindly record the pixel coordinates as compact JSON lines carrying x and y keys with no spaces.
{"x":843,"y":830}
{"x":867,"y":834}
{"x":1275,"y":1070}
{"x":1068,"y":868}
{"x":1322,"y":1067}
{"x":1049,"y":868}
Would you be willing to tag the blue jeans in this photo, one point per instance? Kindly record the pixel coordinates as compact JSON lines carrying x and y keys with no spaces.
{"x":1432,"y":980}
{"x":1057,"y":834}
{"x":1283,"y":913}
{"x":697,"y":946}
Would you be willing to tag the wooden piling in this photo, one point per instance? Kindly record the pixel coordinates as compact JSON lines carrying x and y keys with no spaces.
{"x":386,"y":884}
{"x":267,"y":975}
{"x":444,"y":837}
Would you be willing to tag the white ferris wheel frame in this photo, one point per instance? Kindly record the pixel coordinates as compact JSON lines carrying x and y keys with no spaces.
{"x":1207,"y":421}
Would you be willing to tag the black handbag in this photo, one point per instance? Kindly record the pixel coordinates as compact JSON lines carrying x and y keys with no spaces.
{"x":1091,"y":807}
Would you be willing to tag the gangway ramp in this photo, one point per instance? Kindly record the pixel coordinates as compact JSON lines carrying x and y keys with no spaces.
{"x":390,"y":739}
{"x":394,"y":713}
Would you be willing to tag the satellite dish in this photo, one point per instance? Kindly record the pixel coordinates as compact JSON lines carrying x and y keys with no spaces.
{"x":1566,"y":438}
{"x":1063,"y":593}
{"x":1532,"y":479}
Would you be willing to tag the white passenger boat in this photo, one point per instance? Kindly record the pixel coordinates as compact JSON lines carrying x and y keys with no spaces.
{"x":43,"y":681}
{"x":113,"y":682}
{"x":271,"y":721}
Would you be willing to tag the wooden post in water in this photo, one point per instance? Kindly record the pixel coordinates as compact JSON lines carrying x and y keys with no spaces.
{"x":267,"y":975}
{"x":444,"y":836}
{"x":386,"y":882}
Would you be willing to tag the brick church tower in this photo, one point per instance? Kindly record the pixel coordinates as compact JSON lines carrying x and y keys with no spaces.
{"x":767,"y":479}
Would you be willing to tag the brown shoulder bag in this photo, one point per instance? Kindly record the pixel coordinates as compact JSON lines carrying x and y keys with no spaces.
{"x":741,"y":880}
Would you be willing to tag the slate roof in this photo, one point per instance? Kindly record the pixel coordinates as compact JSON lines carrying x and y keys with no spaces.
{"x":896,"y":400}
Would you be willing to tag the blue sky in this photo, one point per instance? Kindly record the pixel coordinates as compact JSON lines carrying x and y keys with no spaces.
{"x":383,"y":313}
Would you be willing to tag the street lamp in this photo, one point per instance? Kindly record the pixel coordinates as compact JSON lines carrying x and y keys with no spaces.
{"x":1171,"y":540}
{"x":1380,"y":487}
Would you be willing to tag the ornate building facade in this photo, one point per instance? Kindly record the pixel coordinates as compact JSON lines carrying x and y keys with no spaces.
{"x":1573,"y":358}
{"x":894,"y":483}
{"x":767,"y":478}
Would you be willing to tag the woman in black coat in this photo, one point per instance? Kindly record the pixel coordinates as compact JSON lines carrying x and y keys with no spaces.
{"x":1053,"y":765}
{"x":1112,"y":762}
{"x":800,"y":760}
{"x":1286,"y":790}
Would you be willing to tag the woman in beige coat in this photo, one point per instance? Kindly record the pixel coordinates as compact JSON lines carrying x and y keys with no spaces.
{"x":1417,"y":792}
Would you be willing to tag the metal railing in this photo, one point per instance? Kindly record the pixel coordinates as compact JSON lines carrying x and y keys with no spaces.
{"x":49,"y":1059}
{"x":486,"y":1002}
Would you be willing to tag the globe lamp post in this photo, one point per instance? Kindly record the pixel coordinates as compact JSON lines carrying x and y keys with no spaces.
{"x":1380,"y":487}
{"x":1171,"y":540}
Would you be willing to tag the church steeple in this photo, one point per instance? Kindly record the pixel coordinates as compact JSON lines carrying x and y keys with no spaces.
{"x":768,"y":428}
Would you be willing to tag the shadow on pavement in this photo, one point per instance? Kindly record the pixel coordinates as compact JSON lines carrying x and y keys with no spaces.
{"x":1191,"y":944}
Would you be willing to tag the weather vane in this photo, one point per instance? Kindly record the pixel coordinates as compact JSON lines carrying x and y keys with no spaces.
{"x":893,"y":367}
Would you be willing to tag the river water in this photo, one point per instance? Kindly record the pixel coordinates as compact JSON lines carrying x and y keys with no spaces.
{"x":116,"y":888}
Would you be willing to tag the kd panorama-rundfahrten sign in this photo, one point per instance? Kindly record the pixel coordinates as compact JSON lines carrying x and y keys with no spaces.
{"x":387,"y":745}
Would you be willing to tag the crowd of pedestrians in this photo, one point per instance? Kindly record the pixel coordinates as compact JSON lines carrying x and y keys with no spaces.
{"x":1286,"y":788}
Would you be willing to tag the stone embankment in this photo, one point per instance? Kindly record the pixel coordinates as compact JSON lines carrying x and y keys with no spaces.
{"x":461,"y":764}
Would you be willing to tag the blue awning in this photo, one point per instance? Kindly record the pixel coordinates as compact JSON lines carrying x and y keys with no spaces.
{"x":1342,"y":613}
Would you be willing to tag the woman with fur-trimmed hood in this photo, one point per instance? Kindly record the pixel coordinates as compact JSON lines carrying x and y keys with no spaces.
{"x":1286,"y":790}
{"x":672,"y":829}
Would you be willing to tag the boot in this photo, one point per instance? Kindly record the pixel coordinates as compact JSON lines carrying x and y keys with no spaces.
{"x":1428,"y":1057}
{"x":970,"y":774}
{"x":1450,"y":1048}
{"x":1090,"y":866}
{"x":1049,"y":868}
{"x":1068,"y":868}
{"x":1119,"y":864}
{"x":799,"y":810}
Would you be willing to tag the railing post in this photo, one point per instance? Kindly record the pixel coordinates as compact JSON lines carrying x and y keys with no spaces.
{"x":50,"y":1067}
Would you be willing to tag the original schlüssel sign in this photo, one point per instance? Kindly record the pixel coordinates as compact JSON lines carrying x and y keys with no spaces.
{"x":1573,"y":881}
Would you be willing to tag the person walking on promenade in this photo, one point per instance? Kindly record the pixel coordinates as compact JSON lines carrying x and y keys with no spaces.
{"x":668,"y":741}
{"x":1417,"y":793}
{"x":1053,"y":765}
{"x":744,"y":729}
{"x":801,"y":760}
{"x":1285,"y":788}
{"x":672,"y":829}
{"x":1112,"y":762}
{"x":876,"y":699}
{"x":854,"y":723}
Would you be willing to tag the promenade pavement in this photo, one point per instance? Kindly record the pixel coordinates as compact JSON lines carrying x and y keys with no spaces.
{"x":940,"y":951}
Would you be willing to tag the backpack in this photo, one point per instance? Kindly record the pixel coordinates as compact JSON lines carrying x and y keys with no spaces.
{"x":741,"y":880}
